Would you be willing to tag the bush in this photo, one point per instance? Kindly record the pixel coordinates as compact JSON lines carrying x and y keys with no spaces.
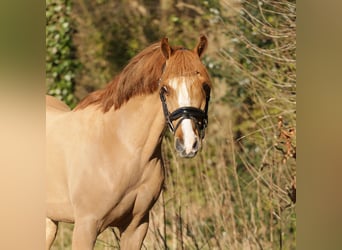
{"x":61,"y":63}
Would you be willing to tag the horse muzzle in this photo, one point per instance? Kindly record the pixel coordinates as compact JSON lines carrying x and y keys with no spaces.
{"x":187,"y":151}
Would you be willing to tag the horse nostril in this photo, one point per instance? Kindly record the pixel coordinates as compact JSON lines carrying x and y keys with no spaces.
{"x":195,"y":146}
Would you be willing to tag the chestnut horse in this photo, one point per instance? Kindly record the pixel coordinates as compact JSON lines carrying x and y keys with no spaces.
{"x":104,"y":161}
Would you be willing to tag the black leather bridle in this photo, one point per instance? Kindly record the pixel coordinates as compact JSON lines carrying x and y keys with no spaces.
{"x":199,"y":116}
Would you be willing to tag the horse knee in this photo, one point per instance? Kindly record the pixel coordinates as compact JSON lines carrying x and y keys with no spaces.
{"x":84,"y":234}
{"x":51,"y":231}
{"x":133,"y":235}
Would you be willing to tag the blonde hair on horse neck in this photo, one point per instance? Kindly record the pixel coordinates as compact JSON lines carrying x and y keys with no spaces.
{"x":141,"y":76}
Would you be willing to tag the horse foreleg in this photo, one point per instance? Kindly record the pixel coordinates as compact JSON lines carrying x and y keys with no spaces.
{"x":132,"y":237}
{"x":50,"y":233}
{"x":84,"y":234}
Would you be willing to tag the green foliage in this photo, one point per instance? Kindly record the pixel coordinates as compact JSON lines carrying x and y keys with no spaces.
{"x":61,"y":63}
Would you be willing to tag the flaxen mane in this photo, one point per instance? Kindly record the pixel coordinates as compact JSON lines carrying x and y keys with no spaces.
{"x":141,"y":76}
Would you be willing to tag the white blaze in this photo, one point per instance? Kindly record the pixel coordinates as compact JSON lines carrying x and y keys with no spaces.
{"x":189,"y":137}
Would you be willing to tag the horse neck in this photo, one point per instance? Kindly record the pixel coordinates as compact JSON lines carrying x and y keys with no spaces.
{"x":138,"y":125}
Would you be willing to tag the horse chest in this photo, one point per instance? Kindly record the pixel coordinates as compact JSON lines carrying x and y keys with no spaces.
{"x":138,"y":198}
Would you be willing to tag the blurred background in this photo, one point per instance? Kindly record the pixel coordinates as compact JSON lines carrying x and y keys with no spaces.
{"x":240,"y":191}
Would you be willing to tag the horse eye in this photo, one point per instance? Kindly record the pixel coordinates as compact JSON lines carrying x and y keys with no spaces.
{"x":164,"y":89}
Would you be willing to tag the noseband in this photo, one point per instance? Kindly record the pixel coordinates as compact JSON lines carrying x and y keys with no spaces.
{"x":199,"y":116}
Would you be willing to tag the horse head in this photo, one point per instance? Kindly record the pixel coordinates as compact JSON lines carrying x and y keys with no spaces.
{"x":185,"y":91}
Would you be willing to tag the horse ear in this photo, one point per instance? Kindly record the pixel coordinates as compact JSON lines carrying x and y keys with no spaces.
{"x":165,"y":48}
{"x":201,"y":46}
